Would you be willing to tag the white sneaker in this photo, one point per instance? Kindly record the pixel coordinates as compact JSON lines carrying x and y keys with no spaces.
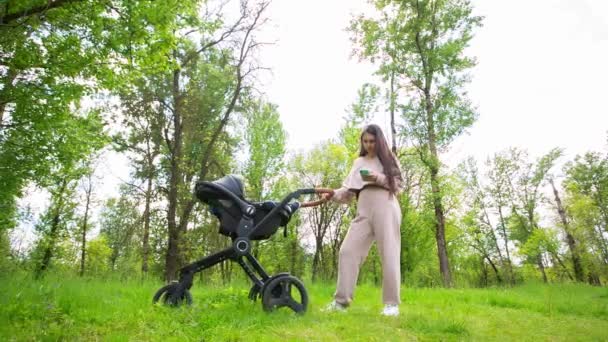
{"x":334,"y":306}
{"x":390,"y":310}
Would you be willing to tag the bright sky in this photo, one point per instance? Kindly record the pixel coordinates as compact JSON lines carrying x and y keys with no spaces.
{"x":540,"y":81}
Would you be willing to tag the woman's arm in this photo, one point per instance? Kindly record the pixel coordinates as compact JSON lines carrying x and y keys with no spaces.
{"x":382,"y":180}
{"x":342,"y":195}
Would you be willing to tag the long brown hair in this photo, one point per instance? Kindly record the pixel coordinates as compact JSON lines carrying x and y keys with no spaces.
{"x":387,"y":159}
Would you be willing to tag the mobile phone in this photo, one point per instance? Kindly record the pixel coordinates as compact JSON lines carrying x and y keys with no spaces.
{"x":364,"y":172}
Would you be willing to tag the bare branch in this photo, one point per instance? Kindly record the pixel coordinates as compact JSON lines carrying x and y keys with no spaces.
{"x":7,"y":18}
{"x":223,"y":36}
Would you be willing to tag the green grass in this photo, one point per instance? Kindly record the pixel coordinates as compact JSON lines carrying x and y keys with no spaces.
{"x":90,"y":310}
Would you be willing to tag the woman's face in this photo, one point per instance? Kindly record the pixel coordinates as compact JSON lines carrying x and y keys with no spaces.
{"x":369,"y":143}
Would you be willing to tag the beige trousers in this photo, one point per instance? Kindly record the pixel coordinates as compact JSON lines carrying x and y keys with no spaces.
{"x":378,"y":219}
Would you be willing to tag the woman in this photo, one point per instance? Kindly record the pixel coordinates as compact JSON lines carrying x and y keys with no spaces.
{"x":375,"y":180}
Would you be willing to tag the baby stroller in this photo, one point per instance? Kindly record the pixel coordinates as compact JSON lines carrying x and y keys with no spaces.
{"x":243,"y":222}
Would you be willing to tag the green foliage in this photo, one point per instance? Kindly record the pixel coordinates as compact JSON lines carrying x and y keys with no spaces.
{"x":539,"y":242}
{"x":186,"y":110}
{"x":56,"y":225}
{"x":588,"y":176}
{"x":119,"y":223}
{"x":586,"y":186}
{"x":359,"y":114}
{"x":6,"y":264}
{"x":266,"y":141}
{"x":50,"y":62}
{"x":98,"y":253}
{"x":421,"y":45}
{"x":325,"y":166}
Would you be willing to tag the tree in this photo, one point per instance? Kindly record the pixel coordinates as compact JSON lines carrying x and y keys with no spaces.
{"x":234,"y":58}
{"x":14,"y":11}
{"x":499,"y":173}
{"x":586,"y":187}
{"x":325,"y":166}
{"x":420,"y":47}
{"x":5,"y":252}
{"x":570,"y":240}
{"x":141,"y":140}
{"x":55,"y":54}
{"x":119,"y":221}
{"x":53,"y":225}
{"x":479,"y":222}
{"x":588,"y":174}
{"x":525,"y":187}
{"x":98,"y":253}
{"x":87,"y":184}
{"x":266,"y":139}
{"x":358,"y":114}
{"x":48,"y":54}
{"x":86,"y":137}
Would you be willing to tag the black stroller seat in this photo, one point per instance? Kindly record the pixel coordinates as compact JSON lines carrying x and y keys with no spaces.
{"x":219,"y":195}
{"x":244,"y":221}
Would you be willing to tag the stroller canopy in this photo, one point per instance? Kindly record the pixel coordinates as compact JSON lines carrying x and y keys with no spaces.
{"x":220,"y":189}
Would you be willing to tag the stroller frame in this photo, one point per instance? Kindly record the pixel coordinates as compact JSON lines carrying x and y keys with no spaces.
{"x":275,"y":291}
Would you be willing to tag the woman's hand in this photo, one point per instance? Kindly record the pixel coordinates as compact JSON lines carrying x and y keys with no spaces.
{"x":327,"y":196}
{"x":370,"y":177}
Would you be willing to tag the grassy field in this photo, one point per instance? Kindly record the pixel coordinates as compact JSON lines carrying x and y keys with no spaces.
{"x":91,"y":310}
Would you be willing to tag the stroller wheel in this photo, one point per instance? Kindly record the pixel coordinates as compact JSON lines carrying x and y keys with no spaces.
{"x":173,"y":295}
{"x":279,"y":293}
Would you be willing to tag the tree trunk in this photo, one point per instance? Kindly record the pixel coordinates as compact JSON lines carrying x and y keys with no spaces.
{"x":539,"y":258}
{"x":392,"y":108}
{"x":433,"y":164}
{"x":146,"y":237}
{"x":7,"y":86}
{"x":48,"y":252}
{"x":172,"y":259}
{"x":594,"y":279}
{"x":30,"y":11}
{"x":442,"y":252}
{"x":541,"y":267}
{"x":576,"y":260}
{"x":495,"y":240}
{"x":602,"y":243}
{"x":316,"y":259}
{"x":506,"y":238}
{"x":561,"y":263}
{"x":293,"y":256}
{"x":175,"y":228}
{"x":483,"y":282}
{"x":498,"y":277}
{"x":601,"y":206}
{"x":84,"y":226}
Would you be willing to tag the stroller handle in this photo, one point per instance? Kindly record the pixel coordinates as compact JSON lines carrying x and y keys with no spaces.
{"x":317,"y":191}
{"x":285,"y":201}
